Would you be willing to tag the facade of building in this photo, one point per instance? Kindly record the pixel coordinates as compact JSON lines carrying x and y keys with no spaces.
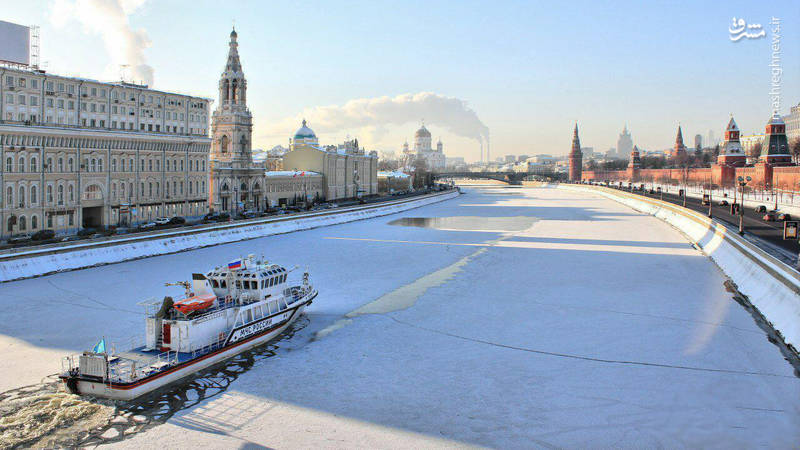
{"x":731,"y":152}
{"x":698,"y":142}
{"x":575,"y":157}
{"x":749,"y":144}
{"x":347,"y":171}
{"x":434,"y":158}
{"x":793,"y":123}
{"x":624,"y":143}
{"x":83,"y":153}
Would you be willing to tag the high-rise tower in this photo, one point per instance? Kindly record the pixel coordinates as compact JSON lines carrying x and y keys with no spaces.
{"x":232,"y":123}
{"x":575,"y":157}
{"x":235,"y":180}
{"x":624,"y":143}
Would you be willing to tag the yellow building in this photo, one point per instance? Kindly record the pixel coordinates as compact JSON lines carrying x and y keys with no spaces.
{"x":347,"y":171}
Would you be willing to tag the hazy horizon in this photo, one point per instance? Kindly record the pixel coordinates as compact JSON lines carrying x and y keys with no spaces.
{"x":520,"y":72}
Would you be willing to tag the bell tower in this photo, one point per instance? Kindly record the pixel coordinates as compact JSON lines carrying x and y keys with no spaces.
{"x":575,"y":157}
{"x":232,"y":123}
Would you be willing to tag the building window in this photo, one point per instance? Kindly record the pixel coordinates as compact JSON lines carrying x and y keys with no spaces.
{"x":9,"y":164}
{"x":22,"y":224}
{"x":60,"y":195}
{"x":71,"y":192}
{"x":9,"y":197}
{"x":33,"y":164}
{"x":49,"y":195}
{"x":21,"y":196}
{"x":33,"y":195}
{"x":94,"y":165}
{"x":34,"y":222}
{"x":21,"y":164}
{"x":49,"y":164}
{"x":60,"y":164}
{"x":114,"y":165}
{"x":71,"y":165}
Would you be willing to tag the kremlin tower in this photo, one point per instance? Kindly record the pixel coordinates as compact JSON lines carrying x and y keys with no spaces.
{"x":731,"y":153}
{"x":634,"y":165}
{"x":679,"y":151}
{"x":575,"y":157}
{"x":775,"y":149}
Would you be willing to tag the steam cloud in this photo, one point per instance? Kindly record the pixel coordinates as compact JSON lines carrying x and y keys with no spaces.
{"x":374,"y":114}
{"x":109,"y":19}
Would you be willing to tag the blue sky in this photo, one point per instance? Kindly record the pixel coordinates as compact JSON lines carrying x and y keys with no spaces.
{"x":528,"y":69}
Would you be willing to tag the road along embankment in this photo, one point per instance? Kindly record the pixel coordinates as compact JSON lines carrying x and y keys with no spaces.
{"x":41,"y":261}
{"x":771,"y":286}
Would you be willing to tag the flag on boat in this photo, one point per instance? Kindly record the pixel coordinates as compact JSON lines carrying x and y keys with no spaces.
{"x":100,"y":347}
{"x":235,"y":265}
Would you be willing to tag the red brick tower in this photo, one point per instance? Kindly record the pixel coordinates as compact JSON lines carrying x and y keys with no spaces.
{"x":679,"y":151}
{"x":634,"y":165}
{"x":575,"y":157}
{"x":731,"y":153}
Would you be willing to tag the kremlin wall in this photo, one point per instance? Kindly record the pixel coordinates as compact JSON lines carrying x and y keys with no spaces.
{"x":774,"y":168}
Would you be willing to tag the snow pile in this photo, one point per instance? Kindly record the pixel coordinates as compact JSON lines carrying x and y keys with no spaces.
{"x":770,"y":285}
{"x":290,"y":173}
{"x":393,"y":174}
{"x":103,"y":253}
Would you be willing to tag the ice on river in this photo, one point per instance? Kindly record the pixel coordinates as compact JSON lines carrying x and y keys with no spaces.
{"x":590,"y":326}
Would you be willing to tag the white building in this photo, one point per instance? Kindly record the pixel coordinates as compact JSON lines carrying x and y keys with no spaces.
{"x":83,"y":153}
{"x":435,"y":159}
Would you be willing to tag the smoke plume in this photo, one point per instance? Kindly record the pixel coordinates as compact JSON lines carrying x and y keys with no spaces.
{"x":109,"y":19}
{"x":373,"y":115}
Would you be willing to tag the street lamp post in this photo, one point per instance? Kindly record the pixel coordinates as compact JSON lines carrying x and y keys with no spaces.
{"x":742,"y":183}
{"x":710,"y":200}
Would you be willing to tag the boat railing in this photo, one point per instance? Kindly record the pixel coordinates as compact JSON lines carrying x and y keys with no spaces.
{"x":129,"y":369}
{"x":216,"y":345}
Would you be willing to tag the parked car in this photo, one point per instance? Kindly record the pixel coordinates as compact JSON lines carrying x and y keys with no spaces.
{"x":177,"y":220}
{"x":96,"y":235}
{"x":161,"y":220}
{"x":43,"y":235}
{"x":147,"y":225}
{"x":210,"y":217}
{"x":19,"y":239}
{"x":784,"y":217}
{"x":761,"y":209}
{"x":71,"y":238}
{"x":723,"y":202}
{"x":222,"y":217}
{"x":770,"y":216}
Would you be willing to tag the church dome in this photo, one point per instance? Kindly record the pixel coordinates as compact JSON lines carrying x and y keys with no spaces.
{"x":233,"y":33}
{"x":422,"y":132}
{"x":304,"y":132}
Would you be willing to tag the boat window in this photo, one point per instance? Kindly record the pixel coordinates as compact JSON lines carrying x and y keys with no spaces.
{"x":223,"y":284}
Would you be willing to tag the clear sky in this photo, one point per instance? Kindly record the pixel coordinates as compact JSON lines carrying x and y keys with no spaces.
{"x":527,"y":69}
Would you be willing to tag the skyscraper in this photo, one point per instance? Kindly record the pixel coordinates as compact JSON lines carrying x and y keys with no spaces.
{"x":624,"y":143}
{"x":698,"y":142}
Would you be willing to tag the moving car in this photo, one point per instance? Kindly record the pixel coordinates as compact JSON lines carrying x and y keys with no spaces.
{"x":147,"y":225}
{"x":770,"y":216}
{"x":161,"y":220}
{"x":723,"y":202}
{"x":761,"y":209}
{"x":177,"y":220}
{"x":783,"y":217}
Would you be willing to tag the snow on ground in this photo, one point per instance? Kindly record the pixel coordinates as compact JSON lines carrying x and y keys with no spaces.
{"x":590,"y":326}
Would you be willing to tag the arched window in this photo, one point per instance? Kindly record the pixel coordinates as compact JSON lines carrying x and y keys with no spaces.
{"x":9,"y":164}
{"x":223,"y":144}
{"x":21,"y":194}
{"x":60,"y":164}
{"x":158,"y":186}
{"x":71,"y":164}
{"x":225,"y":187}
{"x":190,"y":187}
{"x":10,"y":197}
{"x":71,"y":191}
{"x":94,"y":165}
{"x":174,"y":165}
{"x":60,"y":194}
{"x":33,"y":195}
{"x":22,"y":223}
{"x":181,"y":165}
{"x":204,"y":166}
{"x":100,"y":165}
{"x":33,"y":164}
{"x":243,"y":188}
{"x":34,"y":222}
{"x":150,"y":189}
{"x":50,"y":167}
{"x":49,"y":195}
{"x":10,"y":225}
{"x":114,"y":165}
{"x":158,"y":166}
{"x":131,"y":167}
{"x":21,"y":164}
{"x":122,"y":190}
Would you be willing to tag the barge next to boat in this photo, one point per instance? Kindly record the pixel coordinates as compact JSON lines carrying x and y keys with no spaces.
{"x":227,"y":311}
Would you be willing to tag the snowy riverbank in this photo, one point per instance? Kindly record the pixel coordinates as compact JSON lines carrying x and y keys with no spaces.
{"x":33,"y":262}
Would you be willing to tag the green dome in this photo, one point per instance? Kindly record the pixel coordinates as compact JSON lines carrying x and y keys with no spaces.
{"x":304,"y":132}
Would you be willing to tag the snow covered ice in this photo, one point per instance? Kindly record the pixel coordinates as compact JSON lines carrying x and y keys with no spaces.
{"x":590,"y":326}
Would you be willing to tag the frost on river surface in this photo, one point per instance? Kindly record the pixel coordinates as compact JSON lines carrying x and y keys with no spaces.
{"x":43,"y":415}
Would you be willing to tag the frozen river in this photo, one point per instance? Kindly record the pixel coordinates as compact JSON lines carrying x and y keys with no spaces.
{"x":507,"y":317}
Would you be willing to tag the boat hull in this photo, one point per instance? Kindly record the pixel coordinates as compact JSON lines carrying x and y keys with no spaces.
{"x":130,"y":391}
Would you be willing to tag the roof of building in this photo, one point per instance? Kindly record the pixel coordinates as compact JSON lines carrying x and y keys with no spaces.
{"x":422,"y":132}
{"x":290,"y":173}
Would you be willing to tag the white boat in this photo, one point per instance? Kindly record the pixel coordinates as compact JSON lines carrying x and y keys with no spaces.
{"x":229,"y":310}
